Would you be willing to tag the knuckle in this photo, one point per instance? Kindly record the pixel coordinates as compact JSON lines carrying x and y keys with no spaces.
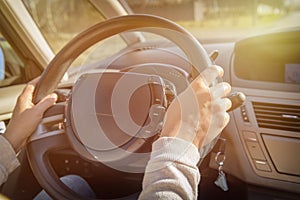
{"x":219,"y":107}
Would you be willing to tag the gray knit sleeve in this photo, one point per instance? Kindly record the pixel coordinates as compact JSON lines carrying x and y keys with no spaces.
{"x":172,"y":171}
{"x":8,"y":159}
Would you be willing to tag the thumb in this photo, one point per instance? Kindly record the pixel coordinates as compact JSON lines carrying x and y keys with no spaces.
{"x":46,"y":102}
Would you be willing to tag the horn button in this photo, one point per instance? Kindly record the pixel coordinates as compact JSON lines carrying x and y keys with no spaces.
{"x":113,"y":114}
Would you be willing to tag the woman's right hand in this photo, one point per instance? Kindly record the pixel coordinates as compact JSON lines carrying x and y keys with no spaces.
{"x":199,"y":113}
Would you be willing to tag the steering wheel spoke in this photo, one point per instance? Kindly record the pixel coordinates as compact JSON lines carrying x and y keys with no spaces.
{"x":51,"y":124}
{"x":49,"y":137}
{"x":37,"y":152}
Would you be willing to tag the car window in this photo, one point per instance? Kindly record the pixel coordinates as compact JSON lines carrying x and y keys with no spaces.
{"x":11,"y":66}
{"x":2,"y":65}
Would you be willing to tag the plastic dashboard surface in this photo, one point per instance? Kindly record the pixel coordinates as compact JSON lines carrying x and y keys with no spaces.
{"x":268,"y":125}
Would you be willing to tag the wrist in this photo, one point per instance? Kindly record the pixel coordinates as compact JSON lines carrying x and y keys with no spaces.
{"x":11,"y":139}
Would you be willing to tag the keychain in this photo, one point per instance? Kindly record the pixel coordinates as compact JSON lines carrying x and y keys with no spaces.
{"x":219,"y":159}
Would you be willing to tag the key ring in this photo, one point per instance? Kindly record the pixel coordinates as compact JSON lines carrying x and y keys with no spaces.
{"x":220,"y":158}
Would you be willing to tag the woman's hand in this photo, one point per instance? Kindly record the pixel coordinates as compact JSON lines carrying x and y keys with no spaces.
{"x":26,"y":116}
{"x":199,"y":113}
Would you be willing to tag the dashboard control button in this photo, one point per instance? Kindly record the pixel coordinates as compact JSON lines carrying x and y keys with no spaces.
{"x":255,"y":150}
{"x":248,"y":135}
{"x":262,"y":165}
{"x":244,"y":114}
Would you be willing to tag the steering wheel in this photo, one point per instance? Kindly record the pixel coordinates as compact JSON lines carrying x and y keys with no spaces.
{"x":46,"y":140}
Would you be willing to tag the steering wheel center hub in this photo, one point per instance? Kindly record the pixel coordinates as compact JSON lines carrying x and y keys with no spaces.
{"x":111,"y":114}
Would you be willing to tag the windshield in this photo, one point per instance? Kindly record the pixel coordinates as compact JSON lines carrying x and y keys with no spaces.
{"x":60,"y":21}
{"x":224,"y":20}
{"x":208,"y":20}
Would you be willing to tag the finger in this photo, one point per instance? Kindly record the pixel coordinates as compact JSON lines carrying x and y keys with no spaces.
{"x":226,"y":119}
{"x":29,"y":88}
{"x":211,"y":73}
{"x":220,"y":90}
{"x":220,"y":116}
{"x":228,"y":103}
{"x":46,"y":103}
{"x":219,"y":105}
{"x":219,"y":109}
{"x":34,"y":81}
{"x":25,"y":98}
{"x":27,"y":92}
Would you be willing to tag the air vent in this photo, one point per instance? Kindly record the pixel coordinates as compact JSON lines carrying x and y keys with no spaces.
{"x":277,"y":116}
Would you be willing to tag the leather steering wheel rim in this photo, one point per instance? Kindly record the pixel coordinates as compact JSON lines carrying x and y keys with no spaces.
{"x":50,"y":78}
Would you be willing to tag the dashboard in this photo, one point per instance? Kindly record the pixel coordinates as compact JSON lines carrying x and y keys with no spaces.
{"x":265,"y":132}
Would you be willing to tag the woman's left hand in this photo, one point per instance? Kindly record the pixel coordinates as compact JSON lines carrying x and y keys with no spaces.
{"x":26,"y":116}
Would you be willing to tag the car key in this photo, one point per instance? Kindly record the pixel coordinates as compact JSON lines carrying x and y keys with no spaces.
{"x":220,"y":157}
